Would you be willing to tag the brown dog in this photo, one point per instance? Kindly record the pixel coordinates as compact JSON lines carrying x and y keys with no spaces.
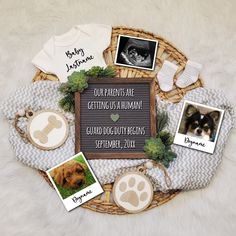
{"x":70,"y":175}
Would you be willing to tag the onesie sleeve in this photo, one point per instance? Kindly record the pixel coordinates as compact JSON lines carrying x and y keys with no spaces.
{"x":44,"y":58}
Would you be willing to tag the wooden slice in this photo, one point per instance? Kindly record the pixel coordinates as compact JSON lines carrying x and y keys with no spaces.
{"x":133,"y":192}
{"x":47,"y":129}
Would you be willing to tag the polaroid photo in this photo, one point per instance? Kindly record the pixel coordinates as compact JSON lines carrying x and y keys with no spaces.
{"x":136,"y":52}
{"x":74,"y":181}
{"x":199,"y":126}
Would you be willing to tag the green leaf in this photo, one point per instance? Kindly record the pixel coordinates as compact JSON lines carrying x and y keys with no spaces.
{"x":64,"y":88}
{"x":154,"y":148}
{"x":77,"y":81}
{"x":94,"y":71}
{"x":166,"y":163}
{"x":170,"y":156}
{"x":162,"y":120}
{"x":166,"y":137}
{"x":109,"y":71}
{"x":97,"y":71}
{"x":67,"y":103}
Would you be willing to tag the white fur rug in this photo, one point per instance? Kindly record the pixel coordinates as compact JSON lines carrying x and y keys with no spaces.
{"x":204,"y":30}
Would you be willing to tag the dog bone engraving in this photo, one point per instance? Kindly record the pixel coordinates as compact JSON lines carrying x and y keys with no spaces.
{"x":42,"y":135}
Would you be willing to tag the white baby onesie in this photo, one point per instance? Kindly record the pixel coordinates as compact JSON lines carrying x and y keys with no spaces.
{"x":80,"y":48}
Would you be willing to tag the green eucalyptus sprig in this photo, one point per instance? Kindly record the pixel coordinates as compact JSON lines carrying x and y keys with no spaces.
{"x":159,"y":148}
{"x":78,"y":82}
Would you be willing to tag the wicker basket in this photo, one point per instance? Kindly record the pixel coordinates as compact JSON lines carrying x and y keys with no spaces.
{"x":166,"y":51}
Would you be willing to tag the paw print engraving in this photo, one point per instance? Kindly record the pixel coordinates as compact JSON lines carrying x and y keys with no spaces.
{"x":132,"y":192}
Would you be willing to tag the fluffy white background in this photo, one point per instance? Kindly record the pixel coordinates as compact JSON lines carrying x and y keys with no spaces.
{"x":203,"y":29}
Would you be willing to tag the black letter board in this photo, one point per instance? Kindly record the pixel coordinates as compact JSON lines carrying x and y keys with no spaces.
{"x":113,"y":117}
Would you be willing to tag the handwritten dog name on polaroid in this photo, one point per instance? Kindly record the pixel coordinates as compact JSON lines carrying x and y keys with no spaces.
{"x":74,"y":181}
{"x":199,"y":126}
{"x":191,"y":143}
{"x":80,"y":198}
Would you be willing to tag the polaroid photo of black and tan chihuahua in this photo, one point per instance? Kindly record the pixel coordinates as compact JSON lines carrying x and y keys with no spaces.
{"x":74,"y":181}
{"x":199,"y":126}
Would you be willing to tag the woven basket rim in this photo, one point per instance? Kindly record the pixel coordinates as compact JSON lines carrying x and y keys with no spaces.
{"x":175,"y":95}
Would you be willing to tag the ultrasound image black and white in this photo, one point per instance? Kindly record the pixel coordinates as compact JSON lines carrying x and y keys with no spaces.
{"x":136,"y":52}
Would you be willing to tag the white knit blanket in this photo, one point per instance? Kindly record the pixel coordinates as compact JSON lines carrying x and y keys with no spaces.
{"x":191,"y":169}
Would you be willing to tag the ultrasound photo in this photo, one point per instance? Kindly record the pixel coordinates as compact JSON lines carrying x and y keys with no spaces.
{"x":136,"y":52}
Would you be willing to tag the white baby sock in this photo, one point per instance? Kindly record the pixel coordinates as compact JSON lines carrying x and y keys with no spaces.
{"x":165,"y":76}
{"x":189,"y":75}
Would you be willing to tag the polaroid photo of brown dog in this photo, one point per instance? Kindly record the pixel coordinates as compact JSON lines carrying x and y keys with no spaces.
{"x":199,"y":126}
{"x":74,"y":181}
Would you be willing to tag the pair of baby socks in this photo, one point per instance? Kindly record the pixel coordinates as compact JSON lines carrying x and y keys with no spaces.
{"x":189,"y":76}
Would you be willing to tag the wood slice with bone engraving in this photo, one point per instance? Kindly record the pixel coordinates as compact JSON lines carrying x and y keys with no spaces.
{"x":47,"y":129}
